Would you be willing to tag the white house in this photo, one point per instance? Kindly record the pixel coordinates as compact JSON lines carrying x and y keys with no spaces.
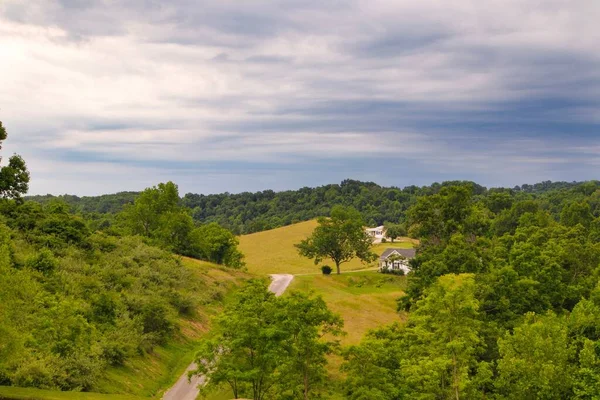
{"x":396,"y":259}
{"x":377,"y":233}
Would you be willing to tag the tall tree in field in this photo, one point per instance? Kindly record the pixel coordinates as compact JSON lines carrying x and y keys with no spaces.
{"x":340,"y":238}
{"x":14,"y":177}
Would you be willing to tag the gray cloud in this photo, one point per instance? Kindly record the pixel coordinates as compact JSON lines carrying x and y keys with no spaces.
{"x":398,"y":92}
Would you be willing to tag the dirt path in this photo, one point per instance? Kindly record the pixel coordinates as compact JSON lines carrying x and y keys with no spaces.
{"x":185,"y":389}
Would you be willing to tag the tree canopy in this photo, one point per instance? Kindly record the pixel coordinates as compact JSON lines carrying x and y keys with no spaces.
{"x":14,"y":177}
{"x":266,"y":347}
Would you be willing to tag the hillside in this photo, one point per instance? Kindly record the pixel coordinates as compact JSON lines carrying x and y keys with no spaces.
{"x":365,"y":299}
{"x":273,"y":251}
{"x":87,"y":311}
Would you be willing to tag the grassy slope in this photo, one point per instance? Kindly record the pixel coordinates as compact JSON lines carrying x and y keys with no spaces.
{"x":273,"y":251}
{"x":152,"y":374}
{"x":149,"y":375}
{"x":365,"y":299}
{"x":7,"y":392}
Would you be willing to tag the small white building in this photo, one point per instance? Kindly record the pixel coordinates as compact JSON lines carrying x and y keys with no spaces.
{"x":396,"y":259}
{"x":377,"y":233}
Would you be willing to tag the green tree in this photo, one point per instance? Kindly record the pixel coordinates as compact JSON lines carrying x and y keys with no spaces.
{"x":14,"y":177}
{"x":269,"y":347}
{"x":373,"y":368}
{"x":577,"y":213}
{"x":311,"y":328}
{"x":247,"y":346}
{"x":534,"y":360}
{"x":143,"y":217}
{"x":340,"y":238}
{"x":436,"y":218}
{"x":157,"y":214}
{"x":444,"y":340}
{"x":394,"y":231}
{"x":218,"y":245}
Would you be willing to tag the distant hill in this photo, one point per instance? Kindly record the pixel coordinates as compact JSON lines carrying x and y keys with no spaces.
{"x":247,"y":212}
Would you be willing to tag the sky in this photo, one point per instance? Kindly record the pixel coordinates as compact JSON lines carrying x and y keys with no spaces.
{"x":102,"y":96}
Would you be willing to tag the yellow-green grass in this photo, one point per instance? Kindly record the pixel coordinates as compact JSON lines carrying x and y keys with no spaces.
{"x":365,"y":299}
{"x":150,"y":375}
{"x":10,"y":392}
{"x":273,"y":251}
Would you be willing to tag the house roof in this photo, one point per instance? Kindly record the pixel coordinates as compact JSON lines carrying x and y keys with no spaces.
{"x":379,"y":228}
{"x":408,"y":253}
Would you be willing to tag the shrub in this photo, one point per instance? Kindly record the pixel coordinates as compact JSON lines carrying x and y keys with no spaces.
{"x":393,"y":271}
{"x":43,"y":262}
{"x":326,"y":269}
{"x":383,"y":240}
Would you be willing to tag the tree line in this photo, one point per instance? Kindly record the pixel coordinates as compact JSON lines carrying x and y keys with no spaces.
{"x":246,"y":212}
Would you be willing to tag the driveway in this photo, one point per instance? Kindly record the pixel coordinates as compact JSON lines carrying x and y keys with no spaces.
{"x":185,"y":389}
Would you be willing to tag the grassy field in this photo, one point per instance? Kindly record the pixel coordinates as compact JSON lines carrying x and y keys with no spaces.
{"x":273,"y":251}
{"x":365,"y":299}
{"x":9,"y":392}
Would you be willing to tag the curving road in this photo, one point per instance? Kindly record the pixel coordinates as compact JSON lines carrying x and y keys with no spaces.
{"x":185,"y":389}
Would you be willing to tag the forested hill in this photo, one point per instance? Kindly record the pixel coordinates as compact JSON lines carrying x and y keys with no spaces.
{"x":253,"y":212}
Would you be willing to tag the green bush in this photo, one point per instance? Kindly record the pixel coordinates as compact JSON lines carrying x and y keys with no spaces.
{"x":44,"y":262}
{"x":326,"y":269}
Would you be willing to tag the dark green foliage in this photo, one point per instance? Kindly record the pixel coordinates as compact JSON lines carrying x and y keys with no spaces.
{"x":523,"y":324}
{"x":14,"y":177}
{"x":326,"y":270}
{"x":44,"y":262}
{"x":157,"y":215}
{"x":218,"y":245}
{"x":394,"y":231}
{"x":253,"y":212}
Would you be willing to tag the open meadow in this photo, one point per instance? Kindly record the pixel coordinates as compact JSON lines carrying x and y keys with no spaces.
{"x":365,"y":299}
{"x":273,"y":251}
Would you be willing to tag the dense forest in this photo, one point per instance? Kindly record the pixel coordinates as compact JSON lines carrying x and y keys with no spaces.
{"x":253,"y":212}
{"x":503,"y":301}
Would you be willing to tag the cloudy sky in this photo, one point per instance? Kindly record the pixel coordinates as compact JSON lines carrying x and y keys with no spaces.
{"x":106,"y":95}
